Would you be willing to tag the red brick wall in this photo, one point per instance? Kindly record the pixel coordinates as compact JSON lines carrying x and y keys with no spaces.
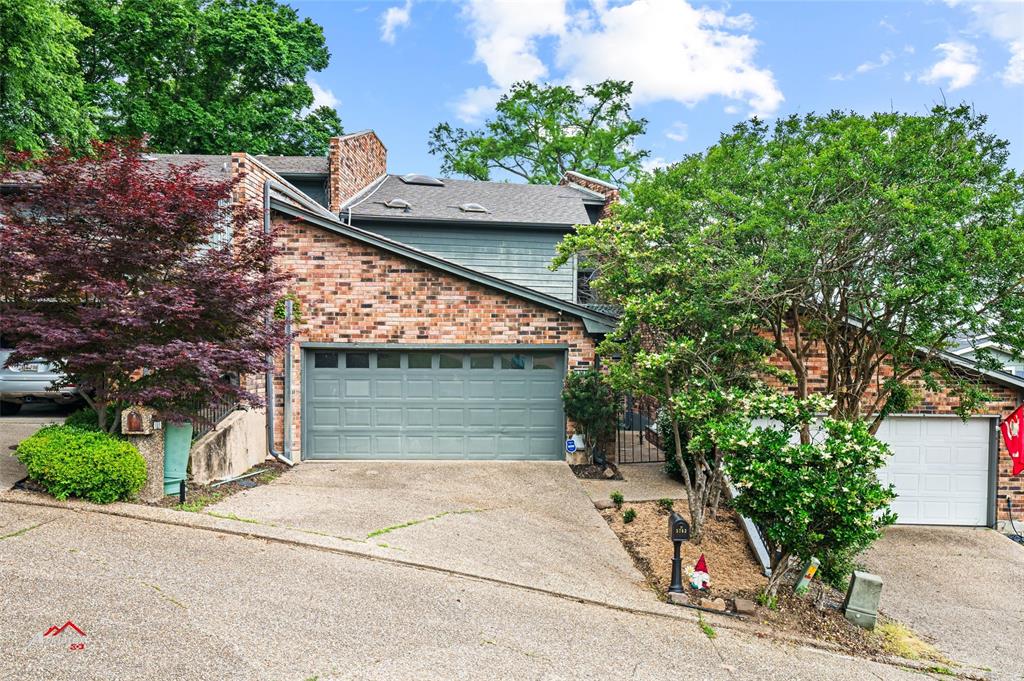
{"x":354,"y":293}
{"x":1004,"y":401}
{"x":610,"y":193}
{"x":355,"y":161}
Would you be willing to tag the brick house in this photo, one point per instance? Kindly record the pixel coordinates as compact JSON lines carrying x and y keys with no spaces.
{"x":434,"y":328}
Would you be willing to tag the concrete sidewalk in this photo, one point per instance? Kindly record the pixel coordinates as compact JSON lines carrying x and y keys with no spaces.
{"x":641,"y":482}
{"x":158,"y":601}
{"x":14,"y":429}
{"x":523,"y":522}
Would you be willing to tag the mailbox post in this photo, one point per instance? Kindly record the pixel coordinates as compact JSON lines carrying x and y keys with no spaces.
{"x":678,"y":532}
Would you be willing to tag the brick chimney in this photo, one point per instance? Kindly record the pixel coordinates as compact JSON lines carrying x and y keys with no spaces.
{"x":355,"y":161}
{"x":609,"y":191}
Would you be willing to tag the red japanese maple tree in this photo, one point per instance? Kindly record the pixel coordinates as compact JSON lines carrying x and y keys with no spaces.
{"x":139,"y":280}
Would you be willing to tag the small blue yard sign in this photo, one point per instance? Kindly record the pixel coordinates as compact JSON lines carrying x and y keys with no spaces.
{"x":570,"y":446}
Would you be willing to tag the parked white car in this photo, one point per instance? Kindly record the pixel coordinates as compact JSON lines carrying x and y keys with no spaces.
{"x":29,"y":382}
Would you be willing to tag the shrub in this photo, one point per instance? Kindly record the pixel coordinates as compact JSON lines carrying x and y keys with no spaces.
{"x":668,"y":445}
{"x":666,"y":504}
{"x":617,"y":498}
{"x":818,"y":499}
{"x":629,"y":515}
{"x":591,"y":404}
{"x":86,"y":419}
{"x":73,"y":462}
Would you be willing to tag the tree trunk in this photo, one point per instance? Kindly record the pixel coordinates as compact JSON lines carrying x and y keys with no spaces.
{"x":780,"y":568}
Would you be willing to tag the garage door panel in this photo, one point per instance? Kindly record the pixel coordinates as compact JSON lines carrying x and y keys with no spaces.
{"x":326,"y":388}
{"x":420,"y":416}
{"x":357,"y":417}
{"x":449,"y":405}
{"x":449,"y":416}
{"x":939,"y":469}
{"x":326,"y":416}
{"x":388,"y":417}
{"x":419,"y":388}
{"x":483,"y":418}
{"x":451,"y":389}
{"x":388,"y":387}
{"x":483,"y":390}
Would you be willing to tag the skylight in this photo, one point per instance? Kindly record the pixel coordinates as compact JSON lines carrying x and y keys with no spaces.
{"x":427,"y":180}
{"x":473,"y":208}
{"x":399,"y":203}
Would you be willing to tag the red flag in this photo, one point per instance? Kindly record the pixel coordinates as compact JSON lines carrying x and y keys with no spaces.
{"x":701,"y":565}
{"x":1013,"y":436}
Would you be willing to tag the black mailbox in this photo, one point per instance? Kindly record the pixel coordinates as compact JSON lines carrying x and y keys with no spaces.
{"x":678,"y":528}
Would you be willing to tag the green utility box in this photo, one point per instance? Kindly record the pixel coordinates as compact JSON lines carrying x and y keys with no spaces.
{"x":862,"y":599}
{"x":177,"y":445}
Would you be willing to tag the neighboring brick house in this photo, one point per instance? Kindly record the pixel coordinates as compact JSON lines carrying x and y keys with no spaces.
{"x":433,"y":328}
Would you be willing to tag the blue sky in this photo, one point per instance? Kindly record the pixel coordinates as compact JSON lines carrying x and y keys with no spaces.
{"x":401,"y":67}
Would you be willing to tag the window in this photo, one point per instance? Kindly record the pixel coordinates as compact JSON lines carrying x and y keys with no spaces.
{"x":481,"y":361}
{"x":511,"y":361}
{"x":389,"y":360}
{"x":547,"y":362}
{"x":357,"y":360}
{"x":420,"y":360}
{"x":325,"y":360}
{"x":450,"y":361}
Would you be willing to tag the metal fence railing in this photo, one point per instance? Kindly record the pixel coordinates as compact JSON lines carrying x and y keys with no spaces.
{"x":209,"y":415}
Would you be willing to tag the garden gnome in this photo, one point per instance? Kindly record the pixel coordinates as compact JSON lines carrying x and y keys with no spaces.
{"x":699,"y":578}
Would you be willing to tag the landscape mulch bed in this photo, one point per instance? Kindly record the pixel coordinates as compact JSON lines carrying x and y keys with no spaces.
{"x":735,"y":573}
{"x":198,"y":497}
{"x":589,"y":471}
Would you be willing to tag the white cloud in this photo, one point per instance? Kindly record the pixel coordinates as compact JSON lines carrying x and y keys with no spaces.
{"x":883,"y":59}
{"x":671,"y":51}
{"x":322,"y":96}
{"x":649,"y":165}
{"x":887,"y":26}
{"x":1003,"y":21}
{"x":393,"y":19}
{"x":731,"y":109}
{"x":678,"y":132}
{"x":476,"y":102}
{"x":668,"y":48}
{"x":958,"y":67}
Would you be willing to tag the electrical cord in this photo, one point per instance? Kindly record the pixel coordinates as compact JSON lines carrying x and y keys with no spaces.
{"x":1016,"y":536}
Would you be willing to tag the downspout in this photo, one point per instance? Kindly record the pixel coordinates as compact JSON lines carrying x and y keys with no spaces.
{"x":285,"y":455}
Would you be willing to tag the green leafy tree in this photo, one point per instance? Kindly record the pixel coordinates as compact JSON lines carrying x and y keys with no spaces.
{"x":873,"y":240}
{"x":682,"y":340}
{"x":590,"y":403}
{"x":41,"y":87}
{"x":541,"y":131}
{"x":821,"y":498}
{"x":205,"y":76}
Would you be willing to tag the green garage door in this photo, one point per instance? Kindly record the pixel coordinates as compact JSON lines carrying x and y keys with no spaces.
{"x":388,"y":404}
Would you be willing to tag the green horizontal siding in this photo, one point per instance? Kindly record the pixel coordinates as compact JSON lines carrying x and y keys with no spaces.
{"x":518,"y":255}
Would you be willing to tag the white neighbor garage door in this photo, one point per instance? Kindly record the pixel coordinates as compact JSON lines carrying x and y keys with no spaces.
{"x":939,"y":467}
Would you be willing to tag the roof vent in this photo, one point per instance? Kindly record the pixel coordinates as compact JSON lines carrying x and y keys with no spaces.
{"x":473,"y":208}
{"x":427,"y":180}
{"x":149,"y":157}
{"x":398,"y":203}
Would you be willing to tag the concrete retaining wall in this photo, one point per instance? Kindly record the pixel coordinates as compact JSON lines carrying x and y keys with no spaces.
{"x":238,"y":443}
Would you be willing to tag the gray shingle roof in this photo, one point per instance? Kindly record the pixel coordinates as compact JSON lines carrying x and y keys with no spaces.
{"x":505,"y":202}
{"x":216,"y":166}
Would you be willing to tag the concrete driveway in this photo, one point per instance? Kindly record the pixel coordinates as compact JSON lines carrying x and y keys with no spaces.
{"x":165,"y":602}
{"x":523,"y":522}
{"x":14,"y":429}
{"x":961,"y":587}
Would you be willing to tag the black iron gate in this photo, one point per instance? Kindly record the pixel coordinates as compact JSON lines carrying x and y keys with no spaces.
{"x":636,"y":440}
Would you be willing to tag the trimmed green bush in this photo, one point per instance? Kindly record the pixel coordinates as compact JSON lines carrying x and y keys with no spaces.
{"x":85,"y":418}
{"x":74,"y":462}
